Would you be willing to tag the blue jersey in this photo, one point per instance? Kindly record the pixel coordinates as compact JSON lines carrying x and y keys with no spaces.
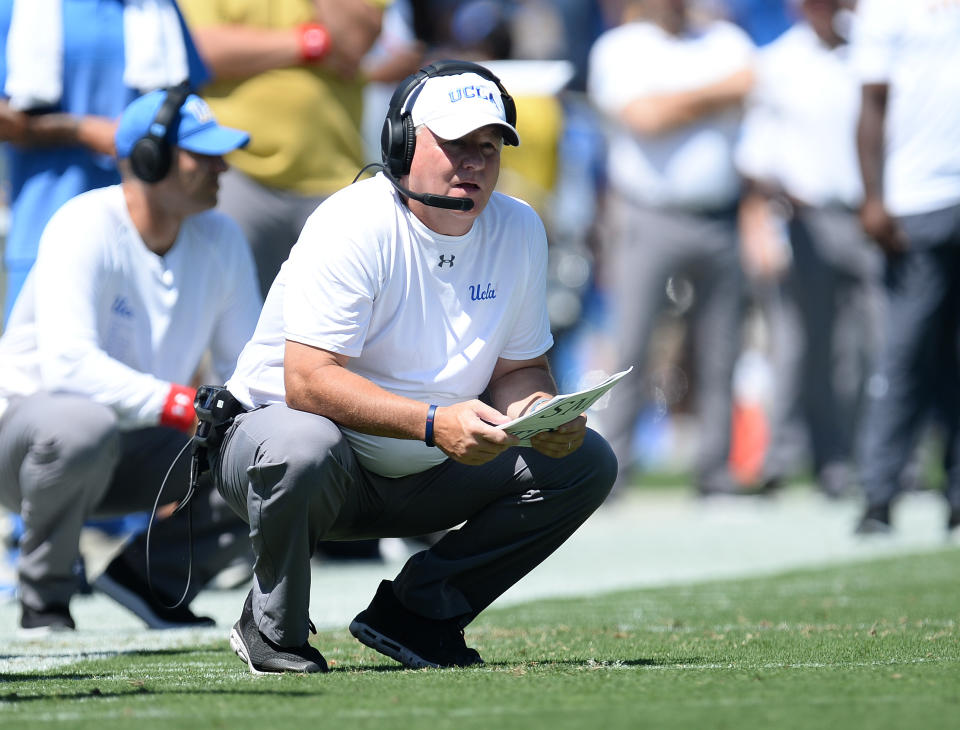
{"x":41,"y":180}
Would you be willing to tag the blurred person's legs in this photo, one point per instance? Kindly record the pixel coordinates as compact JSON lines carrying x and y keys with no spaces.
{"x":838,"y":295}
{"x":637,"y":264}
{"x":825,"y":338}
{"x":57,"y":454}
{"x":788,"y":442}
{"x":917,"y":367}
{"x":63,"y":461}
{"x":718,"y":289}
{"x":692,"y":259}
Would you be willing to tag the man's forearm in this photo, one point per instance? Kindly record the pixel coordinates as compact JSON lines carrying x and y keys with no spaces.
{"x":236,"y":51}
{"x":516,"y":391}
{"x":870,"y":139}
{"x":352,"y":401}
{"x":664,"y":112}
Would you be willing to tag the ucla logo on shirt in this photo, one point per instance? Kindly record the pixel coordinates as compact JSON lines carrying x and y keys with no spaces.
{"x":121,"y":307}
{"x":481,"y":293}
{"x":472,"y":92}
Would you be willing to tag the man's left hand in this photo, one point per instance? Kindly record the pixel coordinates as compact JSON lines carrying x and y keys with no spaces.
{"x":563,"y":440}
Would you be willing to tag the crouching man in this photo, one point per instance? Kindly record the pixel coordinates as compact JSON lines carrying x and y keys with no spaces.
{"x":408,"y":323}
{"x":133,"y":284}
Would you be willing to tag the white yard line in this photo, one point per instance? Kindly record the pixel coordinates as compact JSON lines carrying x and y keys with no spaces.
{"x":643,"y":539}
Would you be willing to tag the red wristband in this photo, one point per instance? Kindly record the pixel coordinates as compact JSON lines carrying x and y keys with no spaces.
{"x":314,"y":42}
{"x":178,"y":408}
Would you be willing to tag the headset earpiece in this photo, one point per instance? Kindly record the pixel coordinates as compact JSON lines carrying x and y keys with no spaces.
{"x":398,"y":136}
{"x":152,"y":154}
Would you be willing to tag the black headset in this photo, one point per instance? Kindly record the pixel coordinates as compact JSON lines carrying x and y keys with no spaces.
{"x":151,"y":155}
{"x":398,"y":138}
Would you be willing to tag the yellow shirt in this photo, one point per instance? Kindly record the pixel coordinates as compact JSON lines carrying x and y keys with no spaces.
{"x":304,"y":122}
{"x":529,"y":171}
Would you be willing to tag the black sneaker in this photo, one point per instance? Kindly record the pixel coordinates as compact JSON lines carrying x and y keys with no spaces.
{"x":953,"y":520}
{"x":47,"y":620}
{"x":387,"y":626}
{"x":875,"y":521}
{"x":265,"y":657}
{"x":131,"y":591}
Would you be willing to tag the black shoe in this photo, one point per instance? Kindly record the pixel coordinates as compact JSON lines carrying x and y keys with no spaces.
{"x":772,"y":484}
{"x":131,"y":591}
{"x":953,"y":521}
{"x":265,"y":657}
{"x":387,"y":626}
{"x":47,"y":620}
{"x":875,"y":521}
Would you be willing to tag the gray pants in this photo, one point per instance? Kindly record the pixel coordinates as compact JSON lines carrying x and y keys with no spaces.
{"x":63,"y":461}
{"x":648,"y":246}
{"x":271,"y":219}
{"x":294,"y":477}
{"x":825,"y":319}
{"x":918,"y":373}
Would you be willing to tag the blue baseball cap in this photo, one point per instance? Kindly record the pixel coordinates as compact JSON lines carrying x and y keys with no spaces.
{"x":194,"y":128}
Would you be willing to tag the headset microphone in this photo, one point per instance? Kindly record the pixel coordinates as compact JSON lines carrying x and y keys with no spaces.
{"x":447,"y":202}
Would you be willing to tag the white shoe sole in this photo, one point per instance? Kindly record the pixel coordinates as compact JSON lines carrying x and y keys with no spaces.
{"x":240,"y":649}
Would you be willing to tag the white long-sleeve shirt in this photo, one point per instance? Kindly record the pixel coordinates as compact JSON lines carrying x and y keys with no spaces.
{"x":101,"y":315}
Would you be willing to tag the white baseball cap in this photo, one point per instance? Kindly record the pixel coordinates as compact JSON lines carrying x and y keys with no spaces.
{"x":453,"y":106}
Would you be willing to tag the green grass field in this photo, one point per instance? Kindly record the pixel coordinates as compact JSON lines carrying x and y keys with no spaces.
{"x":869,"y":645}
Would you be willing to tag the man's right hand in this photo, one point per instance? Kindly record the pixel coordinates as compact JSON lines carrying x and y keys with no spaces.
{"x":882,"y":227}
{"x":466,"y":432}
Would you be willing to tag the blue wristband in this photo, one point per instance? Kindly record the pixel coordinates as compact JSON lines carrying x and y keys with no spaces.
{"x":428,"y":433}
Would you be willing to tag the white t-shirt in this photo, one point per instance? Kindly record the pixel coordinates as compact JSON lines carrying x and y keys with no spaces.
{"x":420,"y":314}
{"x":915,"y":48}
{"x":101,"y":315}
{"x":801,"y":123}
{"x":689,"y":167}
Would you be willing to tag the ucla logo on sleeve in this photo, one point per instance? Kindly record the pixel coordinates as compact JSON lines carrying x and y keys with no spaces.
{"x":121,"y":307}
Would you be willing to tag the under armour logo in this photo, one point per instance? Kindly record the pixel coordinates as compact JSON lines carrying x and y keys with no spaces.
{"x":531,"y":495}
{"x":445,"y":260}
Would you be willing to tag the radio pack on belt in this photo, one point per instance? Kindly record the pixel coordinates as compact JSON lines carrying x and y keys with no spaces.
{"x":216,"y":408}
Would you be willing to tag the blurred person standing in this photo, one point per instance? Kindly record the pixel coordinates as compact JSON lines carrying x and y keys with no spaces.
{"x":289,"y":71}
{"x":907,"y":55}
{"x":821,"y":287}
{"x":68,"y":68}
{"x":133,"y":284}
{"x":672,"y":91}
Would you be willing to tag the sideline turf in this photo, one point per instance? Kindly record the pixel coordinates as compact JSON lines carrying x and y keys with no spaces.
{"x":873,"y":645}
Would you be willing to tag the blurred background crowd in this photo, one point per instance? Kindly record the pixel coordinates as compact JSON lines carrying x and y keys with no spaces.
{"x":695,"y":163}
